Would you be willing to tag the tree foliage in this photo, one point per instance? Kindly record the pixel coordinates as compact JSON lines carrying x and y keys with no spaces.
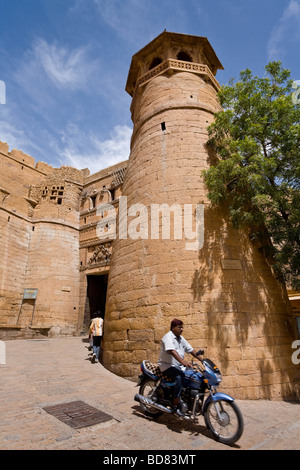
{"x":256,"y":139}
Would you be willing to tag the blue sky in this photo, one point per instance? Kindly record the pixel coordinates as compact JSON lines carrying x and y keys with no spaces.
{"x":65,"y":65}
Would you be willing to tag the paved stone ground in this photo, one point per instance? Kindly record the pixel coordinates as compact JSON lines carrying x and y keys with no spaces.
{"x":41,"y":373}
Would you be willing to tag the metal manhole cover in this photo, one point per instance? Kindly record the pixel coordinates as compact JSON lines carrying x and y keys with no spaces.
{"x":77,"y":414}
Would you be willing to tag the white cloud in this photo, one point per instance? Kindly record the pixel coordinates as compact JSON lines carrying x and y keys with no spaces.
{"x":53,"y":64}
{"x":82,"y":150}
{"x":131,"y":19}
{"x":65,"y":68}
{"x":285,"y":32}
{"x":11,"y":132}
{"x":42,"y":119}
{"x":73,"y":147}
{"x":14,"y":137}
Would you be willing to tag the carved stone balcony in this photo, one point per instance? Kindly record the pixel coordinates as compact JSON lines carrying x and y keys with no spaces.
{"x":180,"y":65}
{"x":170,"y":65}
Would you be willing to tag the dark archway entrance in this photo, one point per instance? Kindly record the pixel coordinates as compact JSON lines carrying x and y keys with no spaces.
{"x":95,"y":296}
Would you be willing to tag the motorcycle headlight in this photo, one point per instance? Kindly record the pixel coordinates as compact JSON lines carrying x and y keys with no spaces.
{"x":219,"y":377}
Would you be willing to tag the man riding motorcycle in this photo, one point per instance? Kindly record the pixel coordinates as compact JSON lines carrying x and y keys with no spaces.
{"x":171,"y":360}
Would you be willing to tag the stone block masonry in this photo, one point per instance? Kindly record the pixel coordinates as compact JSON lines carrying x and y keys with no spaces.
{"x":225,"y":292}
{"x":39,"y":228}
{"x":59,"y":239}
{"x":49,"y":242}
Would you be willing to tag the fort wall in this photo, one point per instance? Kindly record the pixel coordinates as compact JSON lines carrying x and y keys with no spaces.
{"x":15,"y":232}
{"x":39,"y":214}
{"x":62,"y":257}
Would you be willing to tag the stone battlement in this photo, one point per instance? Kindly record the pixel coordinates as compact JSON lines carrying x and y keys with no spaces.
{"x":24,"y":158}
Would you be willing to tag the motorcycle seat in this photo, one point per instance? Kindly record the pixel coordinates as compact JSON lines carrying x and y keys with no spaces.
{"x":154,"y":369}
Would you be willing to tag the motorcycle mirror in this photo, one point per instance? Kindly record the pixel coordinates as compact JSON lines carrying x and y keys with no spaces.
{"x":200,"y":352}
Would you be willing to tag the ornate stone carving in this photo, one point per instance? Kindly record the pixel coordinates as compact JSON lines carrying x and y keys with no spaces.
{"x":100,"y":255}
{"x":118,"y":177}
{"x":180,"y":65}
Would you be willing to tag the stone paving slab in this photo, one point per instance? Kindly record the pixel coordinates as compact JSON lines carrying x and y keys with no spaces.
{"x":49,"y":372}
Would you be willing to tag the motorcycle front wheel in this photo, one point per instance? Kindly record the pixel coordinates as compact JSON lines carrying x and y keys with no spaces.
{"x":147,"y":390}
{"x":225,"y":421}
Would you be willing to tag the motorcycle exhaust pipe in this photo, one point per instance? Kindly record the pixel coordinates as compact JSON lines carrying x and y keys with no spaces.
{"x":149,"y":402}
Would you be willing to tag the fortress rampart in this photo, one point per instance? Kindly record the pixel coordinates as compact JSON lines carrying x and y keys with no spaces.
{"x":141,"y":242}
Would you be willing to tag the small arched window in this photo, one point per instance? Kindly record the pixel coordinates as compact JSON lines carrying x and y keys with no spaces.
{"x":156,"y":61}
{"x":184,"y":56}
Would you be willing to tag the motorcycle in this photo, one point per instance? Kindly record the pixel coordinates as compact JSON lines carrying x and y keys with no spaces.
{"x":221,"y":414}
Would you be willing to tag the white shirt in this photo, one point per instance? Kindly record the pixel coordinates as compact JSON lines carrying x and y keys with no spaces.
{"x":97,"y":326}
{"x":168,"y":343}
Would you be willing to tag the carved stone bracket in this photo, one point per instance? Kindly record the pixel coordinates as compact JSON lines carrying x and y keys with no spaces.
{"x":100,"y":255}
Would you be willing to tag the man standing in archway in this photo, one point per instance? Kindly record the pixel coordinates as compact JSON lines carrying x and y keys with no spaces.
{"x":96,"y":332}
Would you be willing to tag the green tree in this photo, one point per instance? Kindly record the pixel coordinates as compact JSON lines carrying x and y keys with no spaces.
{"x":256,"y":138}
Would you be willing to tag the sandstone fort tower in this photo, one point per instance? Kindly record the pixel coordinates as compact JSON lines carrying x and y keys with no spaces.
{"x":223,"y":290}
{"x":140,"y":240}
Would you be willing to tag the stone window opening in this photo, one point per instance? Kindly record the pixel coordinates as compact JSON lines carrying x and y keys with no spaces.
{"x":56,"y":194}
{"x":163,"y":126}
{"x":93,"y":199}
{"x":156,"y":61}
{"x":182,"y":55}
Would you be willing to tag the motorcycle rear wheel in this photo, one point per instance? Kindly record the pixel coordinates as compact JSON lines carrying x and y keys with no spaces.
{"x":227,"y":428}
{"x":146,"y":389}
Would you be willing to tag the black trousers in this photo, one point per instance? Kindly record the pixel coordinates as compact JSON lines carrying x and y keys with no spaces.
{"x":97,"y":340}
